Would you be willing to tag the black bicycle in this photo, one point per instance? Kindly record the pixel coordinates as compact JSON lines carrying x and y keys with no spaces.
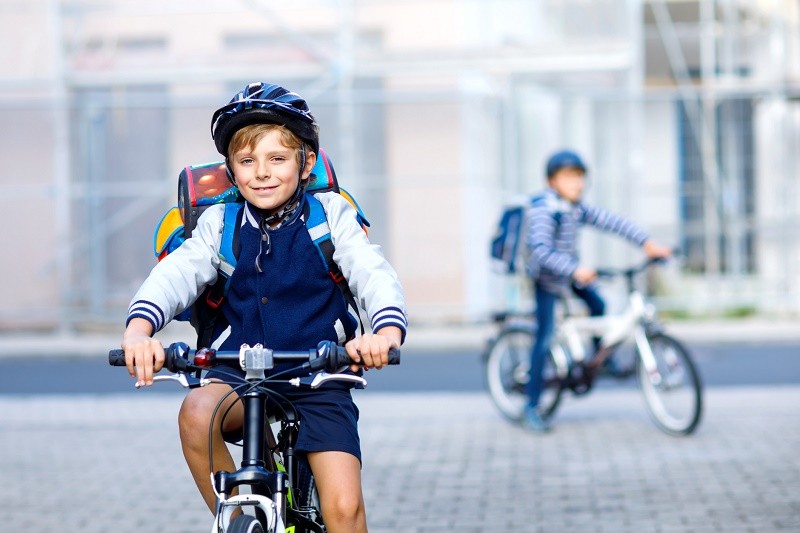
{"x":283,"y":495}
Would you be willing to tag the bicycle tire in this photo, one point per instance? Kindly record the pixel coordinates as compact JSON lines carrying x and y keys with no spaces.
{"x":308,"y":503}
{"x":245,"y":524}
{"x":506,"y":364}
{"x":674,"y":395}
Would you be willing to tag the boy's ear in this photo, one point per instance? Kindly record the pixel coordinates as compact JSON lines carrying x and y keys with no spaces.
{"x":311,"y":160}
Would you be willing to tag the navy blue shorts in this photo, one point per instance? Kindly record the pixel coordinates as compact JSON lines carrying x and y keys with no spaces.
{"x":329,"y":415}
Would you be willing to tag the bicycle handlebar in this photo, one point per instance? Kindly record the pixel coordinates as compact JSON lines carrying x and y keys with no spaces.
{"x":631,"y":271}
{"x":327,"y":356}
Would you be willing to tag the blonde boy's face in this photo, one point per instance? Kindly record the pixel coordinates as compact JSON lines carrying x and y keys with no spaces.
{"x":569,"y":183}
{"x":267,"y":174}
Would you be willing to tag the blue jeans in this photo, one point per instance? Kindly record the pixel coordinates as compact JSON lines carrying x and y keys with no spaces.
{"x":545,"y":317}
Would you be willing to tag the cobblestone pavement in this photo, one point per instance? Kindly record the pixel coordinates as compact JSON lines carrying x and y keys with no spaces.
{"x":432,"y":462}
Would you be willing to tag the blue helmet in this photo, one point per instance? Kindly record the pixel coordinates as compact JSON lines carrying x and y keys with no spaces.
{"x":564,"y":159}
{"x":264,"y":103}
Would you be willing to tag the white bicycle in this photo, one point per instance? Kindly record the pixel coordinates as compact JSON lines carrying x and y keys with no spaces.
{"x":667,"y":376}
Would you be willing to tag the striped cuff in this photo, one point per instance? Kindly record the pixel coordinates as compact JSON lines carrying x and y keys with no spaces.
{"x":390,"y":316}
{"x":148,"y":311}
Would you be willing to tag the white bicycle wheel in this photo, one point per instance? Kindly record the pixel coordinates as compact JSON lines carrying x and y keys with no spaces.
{"x":507,"y":363}
{"x":673,"y":392}
{"x":245,"y":524}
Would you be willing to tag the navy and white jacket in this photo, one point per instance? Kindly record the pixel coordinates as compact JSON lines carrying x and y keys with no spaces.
{"x":551,"y":236}
{"x":292,"y":304}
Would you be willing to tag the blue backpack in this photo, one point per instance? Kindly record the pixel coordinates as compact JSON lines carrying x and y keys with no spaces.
{"x":508,"y":240}
{"x":202,"y":186}
{"x":505,"y":245}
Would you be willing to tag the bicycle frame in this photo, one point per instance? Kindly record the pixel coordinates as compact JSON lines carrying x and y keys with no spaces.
{"x":666,"y":374}
{"x":634,"y":322}
{"x":254,"y":469}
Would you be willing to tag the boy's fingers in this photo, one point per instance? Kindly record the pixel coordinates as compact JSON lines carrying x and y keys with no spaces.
{"x":353,"y":352}
{"x":158,"y":360}
{"x":381,"y":351}
{"x":129,"y":360}
{"x":366,"y":357}
{"x":140,"y":370}
{"x":372,"y":351}
{"x":148,"y":369}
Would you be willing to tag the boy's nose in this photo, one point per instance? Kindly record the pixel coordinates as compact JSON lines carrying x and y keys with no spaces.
{"x":263,"y":170}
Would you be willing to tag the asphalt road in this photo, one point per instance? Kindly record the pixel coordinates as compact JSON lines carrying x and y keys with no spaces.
{"x":721,"y":364}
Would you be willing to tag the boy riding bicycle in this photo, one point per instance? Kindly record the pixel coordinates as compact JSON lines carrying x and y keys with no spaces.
{"x":553,"y":219}
{"x":280,"y":295}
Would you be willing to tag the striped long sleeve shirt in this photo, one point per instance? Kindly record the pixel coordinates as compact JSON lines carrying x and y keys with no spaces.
{"x":552,"y":225}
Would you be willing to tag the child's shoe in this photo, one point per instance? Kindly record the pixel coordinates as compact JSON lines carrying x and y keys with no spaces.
{"x":533,"y":421}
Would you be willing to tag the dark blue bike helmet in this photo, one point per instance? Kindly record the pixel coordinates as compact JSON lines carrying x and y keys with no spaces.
{"x":564,"y":159}
{"x":264,"y":103}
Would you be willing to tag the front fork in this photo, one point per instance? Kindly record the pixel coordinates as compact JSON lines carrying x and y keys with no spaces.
{"x":254,"y":472}
{"x":645,"y":350}
{"x":225,"y":509}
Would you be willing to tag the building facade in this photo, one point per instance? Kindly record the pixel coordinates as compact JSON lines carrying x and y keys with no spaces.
{"x":435,"y":114}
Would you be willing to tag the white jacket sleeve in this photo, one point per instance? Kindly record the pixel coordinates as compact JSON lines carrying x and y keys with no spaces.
{"x":177,"y":280}
{"x":371,"y":278}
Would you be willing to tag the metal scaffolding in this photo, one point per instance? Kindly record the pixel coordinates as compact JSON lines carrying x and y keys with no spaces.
{"x":125,"y":88}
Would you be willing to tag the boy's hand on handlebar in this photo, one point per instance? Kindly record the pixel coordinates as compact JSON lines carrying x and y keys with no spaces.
{"x":584,"y":276}
{"x":372,"y":350}
{"x":144,"y":355}
{"x":654,"y":250}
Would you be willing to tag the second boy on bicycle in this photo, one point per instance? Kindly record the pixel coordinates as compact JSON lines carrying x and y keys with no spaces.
{"x":554,"y":219}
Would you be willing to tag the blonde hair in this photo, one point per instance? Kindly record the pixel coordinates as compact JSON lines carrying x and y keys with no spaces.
{"x":248,"y":137}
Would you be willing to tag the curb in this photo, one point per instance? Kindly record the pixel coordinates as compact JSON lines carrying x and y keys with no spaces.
{"x":468,"y":337}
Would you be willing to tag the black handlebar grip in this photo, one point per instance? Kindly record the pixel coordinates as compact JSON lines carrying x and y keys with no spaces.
{"x":339,"y":358}
{"x":116,"y":357}
{"x":175,"y":357}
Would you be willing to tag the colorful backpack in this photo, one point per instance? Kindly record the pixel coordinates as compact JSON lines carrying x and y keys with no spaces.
{"x":201,"y":186}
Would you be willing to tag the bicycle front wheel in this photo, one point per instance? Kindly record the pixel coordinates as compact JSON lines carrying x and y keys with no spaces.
{"x":245,"y":524}
{"x":673,"y":391}
{"x":308,"y":504}
{"x":506,"y":374}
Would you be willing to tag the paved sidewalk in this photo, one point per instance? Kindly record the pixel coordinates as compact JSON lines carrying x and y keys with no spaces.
{"x":432,"y":462}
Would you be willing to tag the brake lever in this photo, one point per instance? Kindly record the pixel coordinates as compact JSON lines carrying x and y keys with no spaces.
{"x":320,"y":378}
{"x":187,"y":382}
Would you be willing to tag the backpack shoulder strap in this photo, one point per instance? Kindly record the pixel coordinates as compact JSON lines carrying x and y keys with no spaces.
{"x":538,"y":199}
{"x":228,"y":252}
{"x":542,"y":200}
{"x":229,"y":240}
{"x":320,"y":232}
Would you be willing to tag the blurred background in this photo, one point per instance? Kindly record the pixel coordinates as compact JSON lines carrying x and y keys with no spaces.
{"x":435,"y":114}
